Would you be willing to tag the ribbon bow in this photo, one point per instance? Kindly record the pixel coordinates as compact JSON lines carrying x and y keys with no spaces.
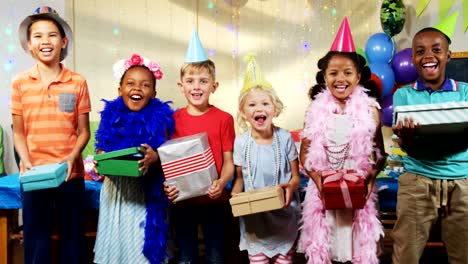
{"x":342,"y":176}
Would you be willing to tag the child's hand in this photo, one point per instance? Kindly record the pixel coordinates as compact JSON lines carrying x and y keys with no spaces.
{"x":370,"y":182}
{"x":150,"y":157}
{"x":216,"y":189}
{"x":288,"y":193}
{"x":171,"y":192}
{"x":317,"y":178}
{"x":405,"y":130}
{"x":27,"y":165}
{"x":70,"y":160}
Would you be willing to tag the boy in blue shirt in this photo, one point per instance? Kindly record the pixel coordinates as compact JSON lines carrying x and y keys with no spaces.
{"x":436,"y":182}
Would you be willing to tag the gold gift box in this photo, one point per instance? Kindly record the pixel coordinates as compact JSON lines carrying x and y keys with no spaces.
{"x":256,"y":201}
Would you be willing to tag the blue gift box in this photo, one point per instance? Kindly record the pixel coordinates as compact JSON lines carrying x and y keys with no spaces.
{"x":44,"y":176}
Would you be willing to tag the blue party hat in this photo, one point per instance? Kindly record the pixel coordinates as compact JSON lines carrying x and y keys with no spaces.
{"x":195,"y":51}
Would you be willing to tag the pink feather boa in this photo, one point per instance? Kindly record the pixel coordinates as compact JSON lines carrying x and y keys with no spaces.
{"x":367,"y":229}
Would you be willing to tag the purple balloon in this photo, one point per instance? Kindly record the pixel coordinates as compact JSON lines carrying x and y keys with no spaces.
{"x":386,"y":113}
{"x":403,"y":67}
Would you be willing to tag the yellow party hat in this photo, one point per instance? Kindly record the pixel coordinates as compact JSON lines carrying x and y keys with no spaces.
{"x":253,"y":74}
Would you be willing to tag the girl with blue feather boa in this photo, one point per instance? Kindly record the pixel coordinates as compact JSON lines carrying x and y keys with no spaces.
{"x":133,"y":224}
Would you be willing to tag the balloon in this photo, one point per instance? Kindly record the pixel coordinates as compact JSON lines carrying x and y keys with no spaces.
{"x":403,"y":67}
{"x":380,"y":48}
{"x":386,"y":75}
{"x":386,"y":113}
{"x":361,"y":52}
{"x":392,"y":16}
{"x":377,"y":81}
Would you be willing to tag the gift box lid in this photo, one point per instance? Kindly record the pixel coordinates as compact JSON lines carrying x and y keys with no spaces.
{"x":430,"y":107}
{"x":118,"y":153}
{"x":439,"y":113}
{"x":354,"y":187}
{"x":45,"y":172}
{"x":258,"y":194}
{"x":184,"y":146}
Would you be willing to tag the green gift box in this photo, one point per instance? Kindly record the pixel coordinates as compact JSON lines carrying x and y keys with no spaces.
{"x":122,"y":162}
{"x":44,"y":176}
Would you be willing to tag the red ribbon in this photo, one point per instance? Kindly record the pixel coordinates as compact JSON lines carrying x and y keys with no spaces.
{"x":342,"y":176}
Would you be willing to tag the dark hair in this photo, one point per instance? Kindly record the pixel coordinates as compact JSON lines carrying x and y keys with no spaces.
{"x":141,"y":66}
{"x":42,"y":18}
{"x":432,"y":29}
{"x":360,"y":63}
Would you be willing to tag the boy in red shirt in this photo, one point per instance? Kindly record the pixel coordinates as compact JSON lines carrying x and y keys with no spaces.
{"x":210,"y":211}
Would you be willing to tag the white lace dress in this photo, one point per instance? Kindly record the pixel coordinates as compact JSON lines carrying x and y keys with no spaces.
{"x":341,"y":221}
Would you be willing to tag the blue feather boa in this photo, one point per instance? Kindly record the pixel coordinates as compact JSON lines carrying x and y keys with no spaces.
{"x":121,"y":128}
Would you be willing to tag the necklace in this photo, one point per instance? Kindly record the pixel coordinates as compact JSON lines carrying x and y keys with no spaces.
{"x":247,"y":157}
{"x":337,"y":155}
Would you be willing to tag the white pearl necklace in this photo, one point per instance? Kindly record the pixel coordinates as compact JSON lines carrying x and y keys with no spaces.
{"x":247,"y":157}
{"x":337,"y":155}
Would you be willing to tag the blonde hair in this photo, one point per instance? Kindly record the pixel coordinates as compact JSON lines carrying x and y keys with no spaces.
{"x":277,"y":103}
{"x":198,"y":66}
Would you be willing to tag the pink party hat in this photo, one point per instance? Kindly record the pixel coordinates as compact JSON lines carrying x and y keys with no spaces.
{"x":344,"y":40}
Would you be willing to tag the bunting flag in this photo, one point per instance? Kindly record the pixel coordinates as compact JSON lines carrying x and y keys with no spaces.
{"x":465,"y":15}
{"x":422,"y":4}
{"x":444,"y":7}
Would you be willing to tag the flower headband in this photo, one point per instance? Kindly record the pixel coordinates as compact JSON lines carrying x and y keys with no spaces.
{"x":121,"y":66}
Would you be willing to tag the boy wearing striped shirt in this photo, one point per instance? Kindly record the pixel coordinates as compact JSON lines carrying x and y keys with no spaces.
{"x":50,"y":106}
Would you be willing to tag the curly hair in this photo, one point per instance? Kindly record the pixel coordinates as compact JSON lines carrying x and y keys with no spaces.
{"x":360,"y":64}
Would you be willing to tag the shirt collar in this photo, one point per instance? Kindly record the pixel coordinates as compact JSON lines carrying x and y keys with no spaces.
{"x":64,"y":76}
{"x":449,"y":85}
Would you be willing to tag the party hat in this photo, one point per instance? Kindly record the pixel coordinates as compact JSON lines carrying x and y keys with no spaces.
{"x":45,"y":12}
{"x":447,"y":25}
{"x":253,"y":74}
{"x":344,"y":40}
{"x":195,"y":51}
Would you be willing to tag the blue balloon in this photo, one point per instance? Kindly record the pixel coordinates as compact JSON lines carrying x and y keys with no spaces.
{"x":380,"y":48}
{"x":386,"y":113}
{"x":403,"y":67}
{"x":386,"y":75}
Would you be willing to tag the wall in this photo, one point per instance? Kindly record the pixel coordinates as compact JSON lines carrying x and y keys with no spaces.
{"x":288,"y":37}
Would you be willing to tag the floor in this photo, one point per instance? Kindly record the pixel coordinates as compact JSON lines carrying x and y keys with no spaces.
{"x":434,"y":255}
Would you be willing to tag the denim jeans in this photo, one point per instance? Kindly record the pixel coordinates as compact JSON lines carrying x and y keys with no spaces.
{"x":211,"y":218}
{"x":38,"y":220}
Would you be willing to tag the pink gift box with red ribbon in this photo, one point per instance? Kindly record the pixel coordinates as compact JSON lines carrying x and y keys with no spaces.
{"x":343,"y":189}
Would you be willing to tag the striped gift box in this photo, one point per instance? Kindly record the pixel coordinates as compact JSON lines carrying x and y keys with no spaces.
{"x":439,"y":117}
{"x":188,"y":164}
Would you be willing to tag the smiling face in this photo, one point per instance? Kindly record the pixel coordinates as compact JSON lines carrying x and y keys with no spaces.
{"x":430,"y":56}
{"x":45,"y":41}
{"x":258,"y":110}
{"x":137,"y":88}
{"x":197,"y":86}
{"x":341,"y":77}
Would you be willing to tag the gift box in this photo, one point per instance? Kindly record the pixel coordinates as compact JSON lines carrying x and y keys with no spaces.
{"x":343,"y":189}
{"x":44,"y":176}
{"x":256,"y":201}
{"x":451,"y":117}
{"x":188,"y":164}
{"x":122,"y":162}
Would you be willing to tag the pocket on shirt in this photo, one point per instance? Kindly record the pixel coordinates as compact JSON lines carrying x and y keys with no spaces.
{"x":67,"y":102}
